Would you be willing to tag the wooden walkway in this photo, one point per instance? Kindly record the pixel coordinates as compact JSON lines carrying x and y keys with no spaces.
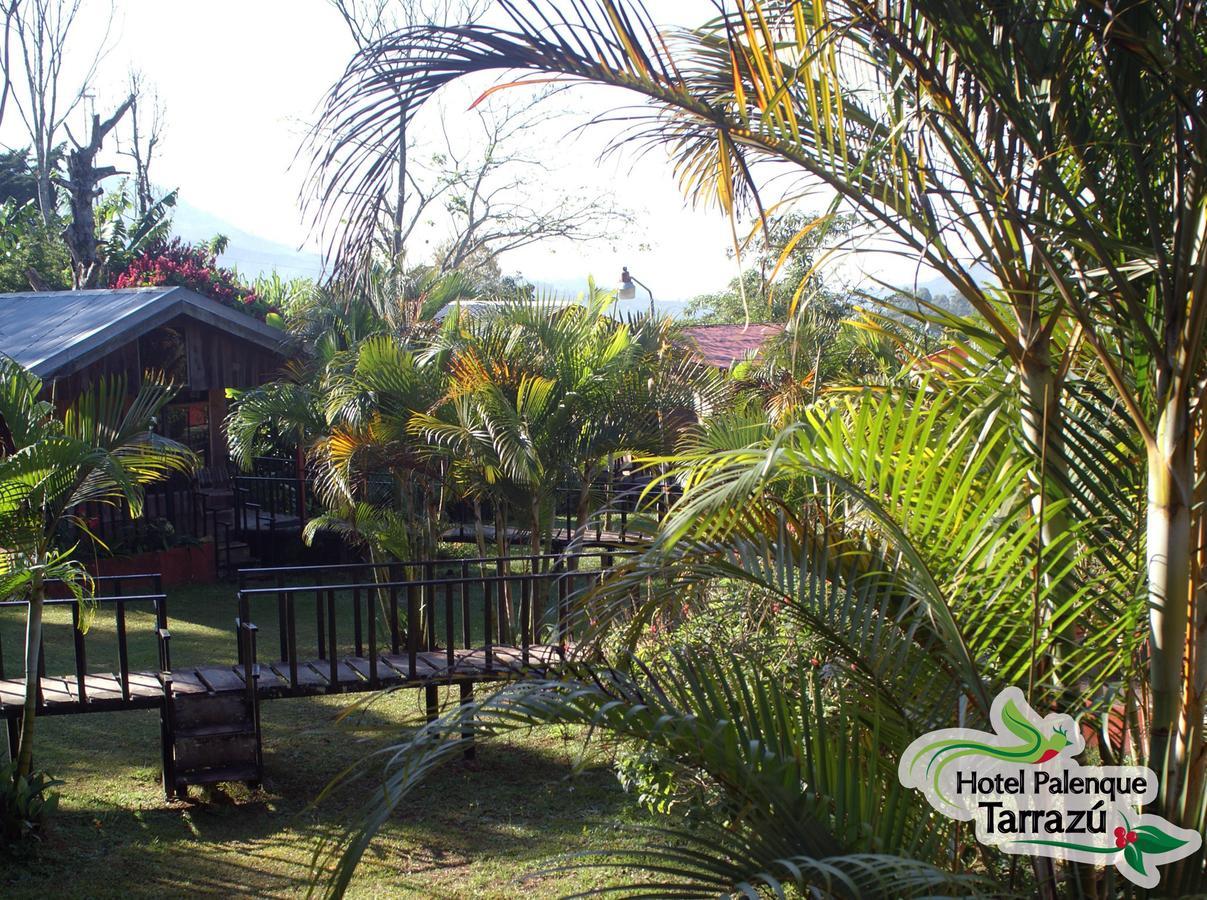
{"x":145,"y":690}
{"x":451,"y":623}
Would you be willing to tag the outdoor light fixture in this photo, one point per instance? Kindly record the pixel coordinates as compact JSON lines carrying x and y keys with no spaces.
{"x":628,"y":289}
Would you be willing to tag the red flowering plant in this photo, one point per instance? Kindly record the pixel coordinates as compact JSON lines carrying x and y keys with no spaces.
{"x":174,"y":262}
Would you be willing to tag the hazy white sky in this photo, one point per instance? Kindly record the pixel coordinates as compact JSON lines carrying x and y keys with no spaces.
{"x":241,"y":80}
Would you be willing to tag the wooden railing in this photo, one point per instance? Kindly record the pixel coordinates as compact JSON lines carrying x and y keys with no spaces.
{"x":112,"y":598}
{"x":414,"y":610}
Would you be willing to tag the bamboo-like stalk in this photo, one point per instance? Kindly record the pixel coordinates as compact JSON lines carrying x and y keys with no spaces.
{"x":1195,"y":696}
{"x":1168,"y":561}
{"x":33,"y":649}
{"x":1042,"y":423}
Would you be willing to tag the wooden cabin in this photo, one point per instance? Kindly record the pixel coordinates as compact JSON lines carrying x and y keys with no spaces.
{"x":72,"y":338}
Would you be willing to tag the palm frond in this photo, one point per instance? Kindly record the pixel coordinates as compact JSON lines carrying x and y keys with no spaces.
{"x":800,"y":785}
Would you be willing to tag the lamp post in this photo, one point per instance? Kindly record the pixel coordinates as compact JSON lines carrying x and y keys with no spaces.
{"x":629,"y":292}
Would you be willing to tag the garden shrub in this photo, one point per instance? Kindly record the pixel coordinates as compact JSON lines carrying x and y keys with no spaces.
{"x":732,"y":619}
{"x":25,"y":804}
{"x":195,"y":267}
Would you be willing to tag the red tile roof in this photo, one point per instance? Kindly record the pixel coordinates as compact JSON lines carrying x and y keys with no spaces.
{"x":725,"y":345}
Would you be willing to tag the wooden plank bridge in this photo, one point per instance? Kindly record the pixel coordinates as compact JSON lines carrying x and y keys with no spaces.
{"x":423,"y":624}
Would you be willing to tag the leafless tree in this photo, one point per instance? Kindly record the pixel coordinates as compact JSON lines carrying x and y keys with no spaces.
{"x":494,"y":191}
{"x":490,"y":190}
{"x":46,"y":32}
{"x":368,"y":21}
{"x":9,"y":10}
{"x":146,"y":133}
{"x":82,"y":185}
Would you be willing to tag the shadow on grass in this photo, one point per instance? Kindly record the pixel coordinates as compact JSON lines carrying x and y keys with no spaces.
{"x":474,"y":828}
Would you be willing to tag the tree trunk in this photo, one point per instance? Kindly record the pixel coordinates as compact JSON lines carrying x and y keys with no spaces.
{"x":504,"y":566}
{"x":33,"y":649}
{"x":1043,"y":430}
{"x":1170,"y":483}
{"x":46,"y":197}
{"x":396,"y":239}
{"x":479,"y":529}
{"x":83,"y":187}
{"x":536,"y":594}
{"x":582,"y":513}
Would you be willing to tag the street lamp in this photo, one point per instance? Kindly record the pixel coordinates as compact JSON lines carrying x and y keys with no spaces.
{"x":628,"y":291}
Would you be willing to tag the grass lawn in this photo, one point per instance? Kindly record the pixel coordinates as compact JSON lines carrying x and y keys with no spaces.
{"x":476,"y":828}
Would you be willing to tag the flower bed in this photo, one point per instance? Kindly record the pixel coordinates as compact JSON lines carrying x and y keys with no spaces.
{"x":196,"y":267}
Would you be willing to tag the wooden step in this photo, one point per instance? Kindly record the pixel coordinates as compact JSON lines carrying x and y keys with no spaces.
{"x":233,"y":729}
{"x":239,"y":550}
{"x":201,"y":754}
{"x":244,"y":773}
{"x":240,"y":557}
{"x":201,"y":710}
{"x":213,"y":736}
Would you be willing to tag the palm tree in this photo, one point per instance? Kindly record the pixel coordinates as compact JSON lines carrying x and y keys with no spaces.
{"x":1059,"y":147}
{"x":101,"y":449}
{"x":773,"y":84}
{"x":888,"y":527}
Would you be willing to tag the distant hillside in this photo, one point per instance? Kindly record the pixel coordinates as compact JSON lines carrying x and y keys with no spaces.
{"x":250,"y":254}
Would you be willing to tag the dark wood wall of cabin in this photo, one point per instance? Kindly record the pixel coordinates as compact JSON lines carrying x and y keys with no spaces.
{"x":201,"y":359}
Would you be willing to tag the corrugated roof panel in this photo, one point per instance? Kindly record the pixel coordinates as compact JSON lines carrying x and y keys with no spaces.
{"x":36,"y":325}
{"x":724,"y":346}
{"x":56,"y":332}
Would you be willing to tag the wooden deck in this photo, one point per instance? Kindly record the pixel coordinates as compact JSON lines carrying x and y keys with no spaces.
{"x":103,"y":692}
{"x":465,"y":622}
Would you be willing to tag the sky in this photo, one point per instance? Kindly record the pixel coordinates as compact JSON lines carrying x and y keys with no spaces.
{"x":242,"y":80}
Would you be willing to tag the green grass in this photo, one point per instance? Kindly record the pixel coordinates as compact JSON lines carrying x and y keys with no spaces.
{"x":476,"y":828}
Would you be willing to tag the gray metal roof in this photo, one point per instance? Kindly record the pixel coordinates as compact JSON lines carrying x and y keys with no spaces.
{"x":55,"y":333}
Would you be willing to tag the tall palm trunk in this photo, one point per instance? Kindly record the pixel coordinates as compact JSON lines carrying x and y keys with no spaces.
{"x":1043,"y":430}
{"x":479,"y":528}
{"x":1170,"y":484}
{"x":536,"y":593}
{"x":33,"y":650}
{"x":581,"y":515}
{"x":583,"y":512}
{"x":1194,"y":705}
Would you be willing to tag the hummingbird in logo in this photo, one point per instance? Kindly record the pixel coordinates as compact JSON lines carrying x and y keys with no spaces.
{"x":1032,"y":747}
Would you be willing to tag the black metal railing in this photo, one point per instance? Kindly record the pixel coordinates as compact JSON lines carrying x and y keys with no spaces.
{"x":171,"y":510}
{"x":273,"y":503}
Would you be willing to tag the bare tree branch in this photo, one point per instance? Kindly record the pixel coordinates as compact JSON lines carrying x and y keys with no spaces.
{"x":146,"y":133}
{"x":368,"y":21}
{"x":45,"y":35}
{"x":9,"y":9}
